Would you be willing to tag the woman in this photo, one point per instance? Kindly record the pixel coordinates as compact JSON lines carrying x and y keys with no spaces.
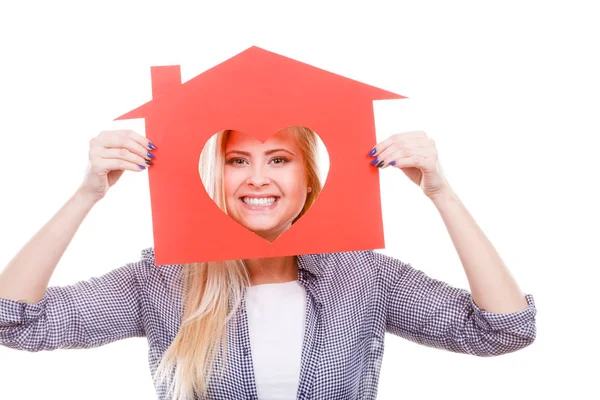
{"x":310,"y":326}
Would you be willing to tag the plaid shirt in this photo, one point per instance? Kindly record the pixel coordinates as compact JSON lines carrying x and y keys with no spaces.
{"x":352,"y":300}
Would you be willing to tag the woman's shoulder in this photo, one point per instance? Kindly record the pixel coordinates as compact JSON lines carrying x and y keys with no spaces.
{"x":351,"y":264}
{"x":158,"y":275}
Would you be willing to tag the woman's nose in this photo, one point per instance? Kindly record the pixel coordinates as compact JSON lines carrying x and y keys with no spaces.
{"x":258,"y":176}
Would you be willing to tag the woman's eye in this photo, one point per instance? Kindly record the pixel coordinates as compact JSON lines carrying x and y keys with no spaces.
{"x":236,"y":161}
{"x":278,"y":160}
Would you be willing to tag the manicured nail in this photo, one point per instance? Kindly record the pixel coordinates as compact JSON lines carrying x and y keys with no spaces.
{"x":149,"y":162}
{"x":150,"y":155}
{"x":141,"y":167}
{"x":393,"y":163}
{"x":375,"y":161}
{"x":380,"y":164}
{"x":372,"y":152}
{"x":152,"y":146}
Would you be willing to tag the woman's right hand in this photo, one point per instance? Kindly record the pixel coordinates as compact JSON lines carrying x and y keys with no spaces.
{"x":111,"y":153}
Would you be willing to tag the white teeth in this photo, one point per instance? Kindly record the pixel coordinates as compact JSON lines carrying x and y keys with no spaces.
{"x":259,"y":201}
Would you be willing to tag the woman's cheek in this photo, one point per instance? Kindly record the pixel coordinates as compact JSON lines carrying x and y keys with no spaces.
{"x":232,"y":179}
{"x":295,"y":179}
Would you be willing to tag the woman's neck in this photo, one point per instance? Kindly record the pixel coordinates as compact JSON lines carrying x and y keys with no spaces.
{"x":272,"y":270}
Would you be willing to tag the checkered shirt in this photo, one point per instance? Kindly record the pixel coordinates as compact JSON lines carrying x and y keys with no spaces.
{"x":353,"y":299}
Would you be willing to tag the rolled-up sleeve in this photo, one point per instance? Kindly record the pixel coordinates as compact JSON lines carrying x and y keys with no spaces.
{"x":432,"y":313}
{"x":83,"y":315}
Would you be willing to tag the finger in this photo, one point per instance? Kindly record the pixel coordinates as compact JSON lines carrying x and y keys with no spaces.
{"x":113,"y":164}
{"x":407,"y":162}
{"x":387,"y":155}
{"x":143,"y":141}
{"x":399,"y":157}
{"x":123,"y":154}
{"x":400,"y":138}
{"x":122,"y":139}
{"x":406,"y":147}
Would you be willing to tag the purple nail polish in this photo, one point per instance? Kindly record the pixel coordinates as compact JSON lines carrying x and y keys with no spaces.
{"x":150,"y":155}
{"x":141,"y":167}
{"x":372,"y":152}
{"x":375,"y":161}
{"x":393,"y":163}
{"x":151,"y":145}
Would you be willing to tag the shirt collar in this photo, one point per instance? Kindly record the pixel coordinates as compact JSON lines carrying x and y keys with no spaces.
{"x":312,"y":263}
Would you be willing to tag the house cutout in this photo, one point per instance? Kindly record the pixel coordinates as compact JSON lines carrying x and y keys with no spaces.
{"x":259,"y":92}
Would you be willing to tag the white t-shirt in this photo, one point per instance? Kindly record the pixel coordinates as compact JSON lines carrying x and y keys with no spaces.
{"x":276,"y":326}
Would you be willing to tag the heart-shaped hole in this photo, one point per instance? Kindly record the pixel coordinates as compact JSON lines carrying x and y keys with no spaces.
{"x":265,"y":186}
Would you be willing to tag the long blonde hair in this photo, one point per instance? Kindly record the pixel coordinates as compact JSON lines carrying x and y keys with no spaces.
{"x":213,"y":291}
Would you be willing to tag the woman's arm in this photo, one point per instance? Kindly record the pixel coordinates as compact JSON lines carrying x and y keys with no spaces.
{"x":26,"y":276}
{"x":111,"y":153}
{"x":416,"y":155}
{"x":34,"y":317}
{"x":91,"y":313}
{"x":492,"y":286}
{"x":432,"y":313}
{"x":87,"y":314}
{"x":497,"y":317}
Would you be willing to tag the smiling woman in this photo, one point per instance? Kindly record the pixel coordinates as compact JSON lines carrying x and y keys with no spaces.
{"x":307,"y":326}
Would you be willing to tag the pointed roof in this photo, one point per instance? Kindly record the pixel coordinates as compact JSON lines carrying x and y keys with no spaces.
{"x":262,"y":85}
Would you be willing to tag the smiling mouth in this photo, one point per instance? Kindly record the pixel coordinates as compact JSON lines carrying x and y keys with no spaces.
{"x":259,"y":201}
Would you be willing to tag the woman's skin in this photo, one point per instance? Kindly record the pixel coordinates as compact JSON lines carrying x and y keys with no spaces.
{"x":26,"y":276}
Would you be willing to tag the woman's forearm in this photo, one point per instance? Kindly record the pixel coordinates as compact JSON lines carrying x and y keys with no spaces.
{"x":26,"y":276}
{"x":492,"y":286}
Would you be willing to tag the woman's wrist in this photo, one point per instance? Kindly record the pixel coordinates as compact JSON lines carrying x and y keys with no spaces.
{"x":84,"y":199}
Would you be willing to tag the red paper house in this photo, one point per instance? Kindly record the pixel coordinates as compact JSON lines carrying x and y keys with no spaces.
{"x":259,"y":92}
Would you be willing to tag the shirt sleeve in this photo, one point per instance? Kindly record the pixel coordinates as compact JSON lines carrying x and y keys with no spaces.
{"x":433,"y":313}
{"x":87,"y":314}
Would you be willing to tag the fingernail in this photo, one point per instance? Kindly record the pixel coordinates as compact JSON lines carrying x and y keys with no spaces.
{"x":141,"y":167}
{"x":380,"y":164}
{"x":393,"y":163}
{"x":149,"y":162}
{"x":152,"y":146}
{"x":372,"y":152}
{"x":150,"y":155}
{"x":375,"y":161}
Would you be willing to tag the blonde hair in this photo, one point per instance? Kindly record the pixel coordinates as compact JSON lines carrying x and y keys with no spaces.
{"x":213,"y":291}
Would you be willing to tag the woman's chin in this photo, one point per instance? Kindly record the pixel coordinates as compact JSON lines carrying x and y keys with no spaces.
{"x":267,"y":232}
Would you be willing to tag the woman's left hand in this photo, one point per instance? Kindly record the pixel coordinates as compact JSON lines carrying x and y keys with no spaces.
{"x":416,"y":155}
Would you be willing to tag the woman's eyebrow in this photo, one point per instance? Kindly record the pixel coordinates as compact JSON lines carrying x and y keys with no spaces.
{"x":268,"y":152}
{"x":244,"y":153}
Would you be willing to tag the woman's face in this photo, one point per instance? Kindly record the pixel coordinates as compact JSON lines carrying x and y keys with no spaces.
{"x":265,"y":183}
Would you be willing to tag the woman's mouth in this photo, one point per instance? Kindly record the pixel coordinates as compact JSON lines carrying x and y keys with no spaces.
{"x":260,"y":203}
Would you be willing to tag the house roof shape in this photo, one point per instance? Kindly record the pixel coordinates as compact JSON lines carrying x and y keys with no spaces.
{"x":256,"y":81}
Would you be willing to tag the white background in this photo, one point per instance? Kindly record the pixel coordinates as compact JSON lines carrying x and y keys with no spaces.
{"x":510,"y":93}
